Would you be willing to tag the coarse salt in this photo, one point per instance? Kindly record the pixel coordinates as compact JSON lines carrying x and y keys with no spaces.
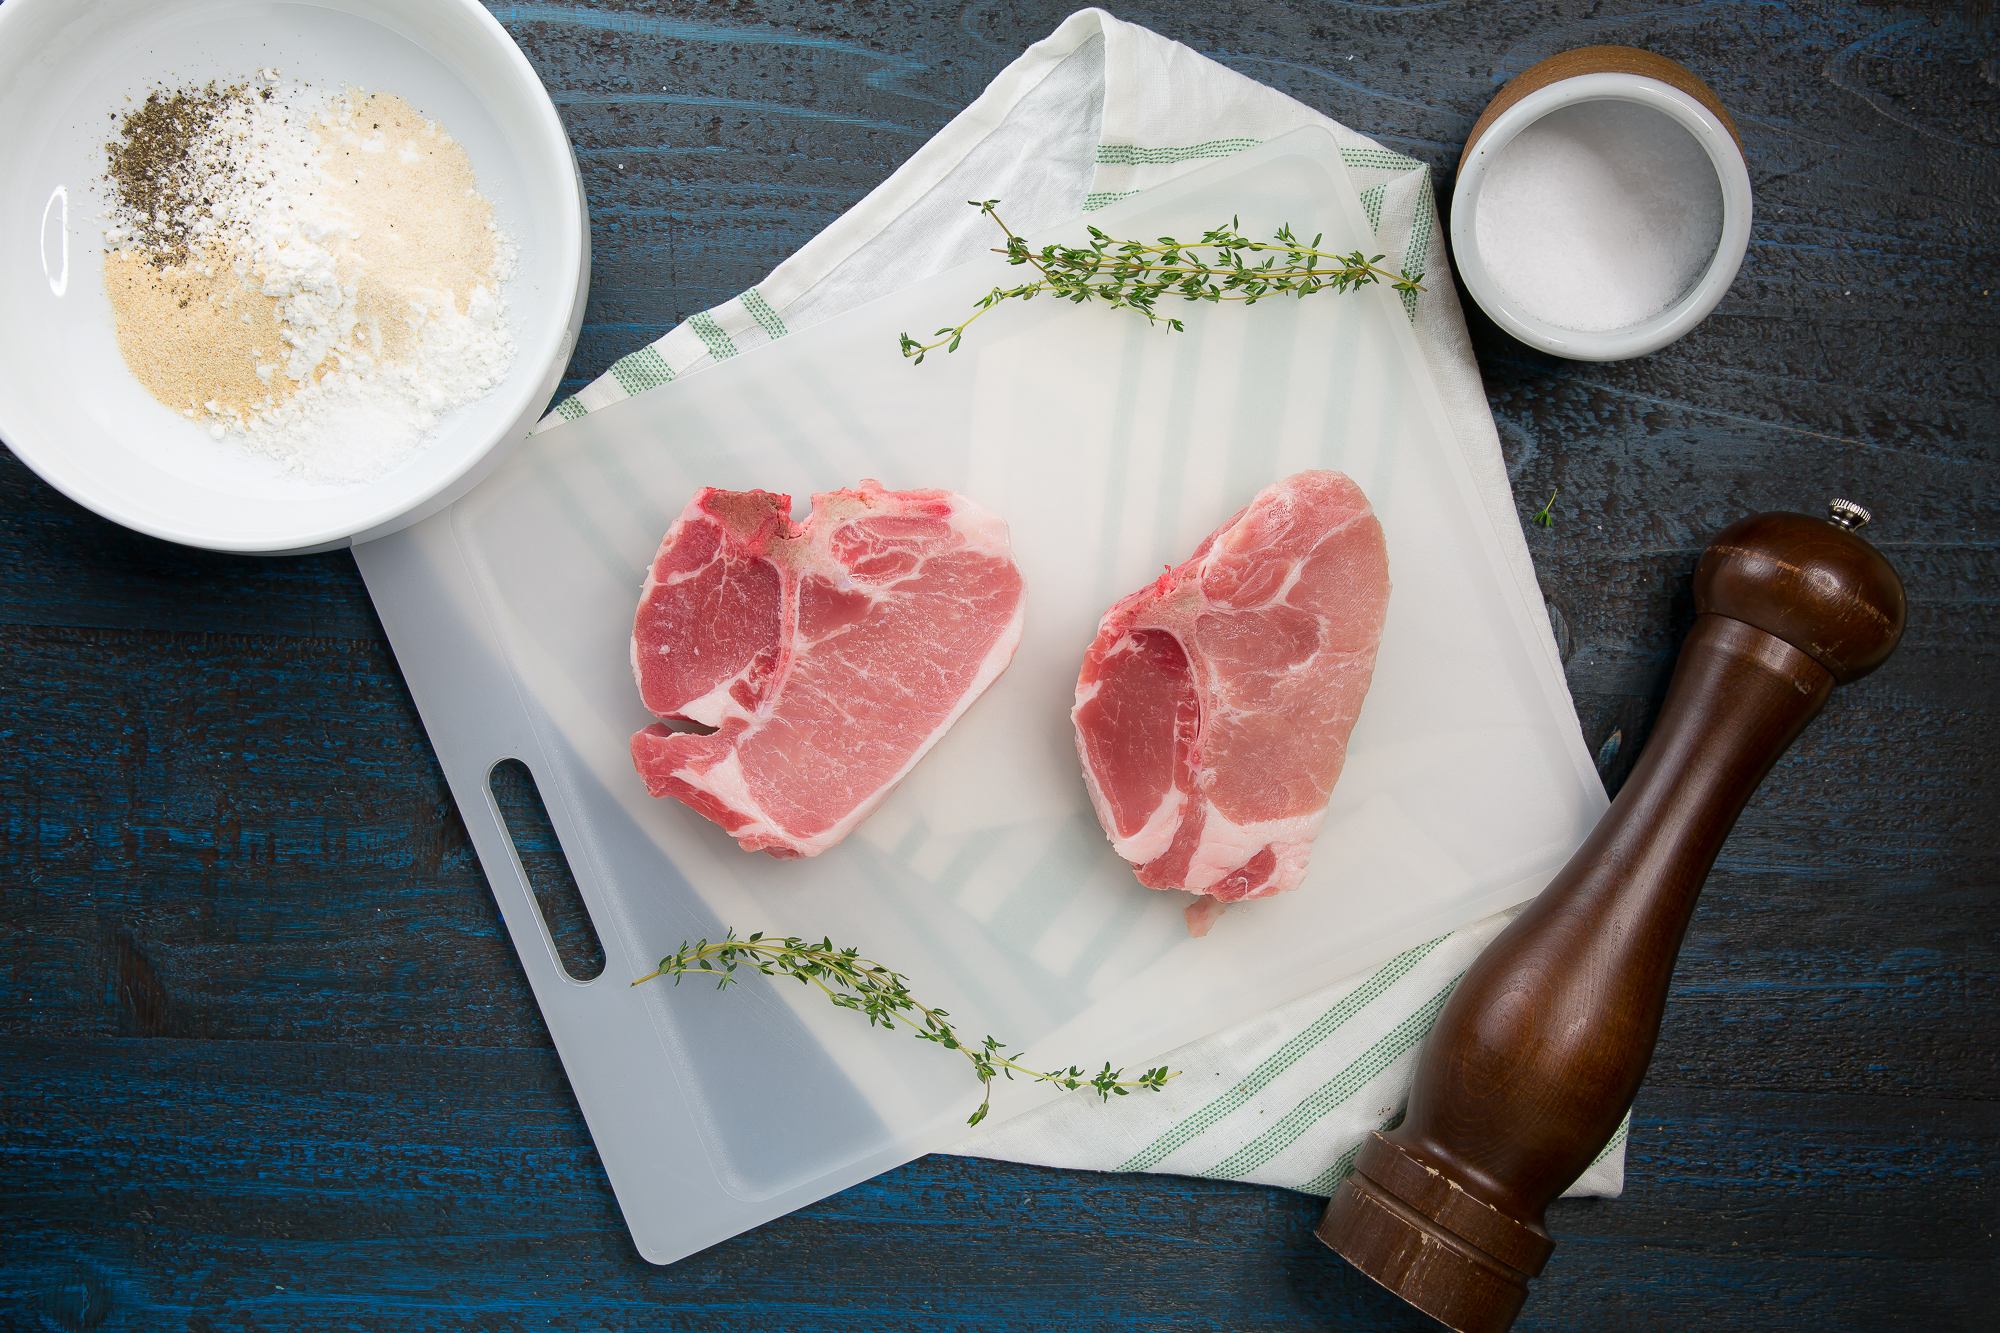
{"x":1599,"y":216}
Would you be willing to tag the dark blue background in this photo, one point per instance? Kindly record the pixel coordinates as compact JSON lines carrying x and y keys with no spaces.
{"x":268,"y":1062}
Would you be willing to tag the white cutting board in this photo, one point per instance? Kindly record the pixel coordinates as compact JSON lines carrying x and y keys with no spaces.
{"x":1111,"y":448}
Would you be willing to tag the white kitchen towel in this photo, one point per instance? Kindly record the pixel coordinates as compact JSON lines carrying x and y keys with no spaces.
{"x":1095,"y":112}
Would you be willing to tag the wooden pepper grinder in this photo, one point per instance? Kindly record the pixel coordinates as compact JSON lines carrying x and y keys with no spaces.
{"x":1538,"y":1054}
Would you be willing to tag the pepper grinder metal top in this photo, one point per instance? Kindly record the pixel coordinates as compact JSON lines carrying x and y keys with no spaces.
{"x":1812,"y":582}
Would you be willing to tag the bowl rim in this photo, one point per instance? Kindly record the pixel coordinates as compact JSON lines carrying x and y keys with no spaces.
{"x":1717,"y":140}
{"x":521,"y":408}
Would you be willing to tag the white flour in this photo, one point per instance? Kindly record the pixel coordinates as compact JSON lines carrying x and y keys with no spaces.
{"x":360,"y":226}
{"x":1599,"y":216}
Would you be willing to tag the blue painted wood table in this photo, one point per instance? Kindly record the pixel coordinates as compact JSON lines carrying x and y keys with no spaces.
{"x":268,"y":1061}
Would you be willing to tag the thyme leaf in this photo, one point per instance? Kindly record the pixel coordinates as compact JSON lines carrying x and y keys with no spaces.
{"x":1224,"y":265}
{"x":883,"y":998}
{"x":1545,"y":516}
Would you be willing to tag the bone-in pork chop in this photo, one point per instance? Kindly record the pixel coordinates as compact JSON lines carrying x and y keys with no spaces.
{"x":828,"y":655}
{"x":1214,"y":706}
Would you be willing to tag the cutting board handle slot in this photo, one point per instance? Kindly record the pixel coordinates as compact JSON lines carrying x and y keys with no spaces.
{"x":565,"y":920}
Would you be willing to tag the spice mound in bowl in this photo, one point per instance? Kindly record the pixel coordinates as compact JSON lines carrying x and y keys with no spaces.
{"x":306,"y":274}
{"x":315,"y":278}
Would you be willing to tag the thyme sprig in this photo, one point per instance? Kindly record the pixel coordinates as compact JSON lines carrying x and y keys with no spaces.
{"x":1135,"y":275}
{"x":882,"y":996}
{"x":1546,"y":515}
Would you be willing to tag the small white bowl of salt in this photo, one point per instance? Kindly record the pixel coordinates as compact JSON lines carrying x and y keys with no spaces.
{"x":1602,"y":205}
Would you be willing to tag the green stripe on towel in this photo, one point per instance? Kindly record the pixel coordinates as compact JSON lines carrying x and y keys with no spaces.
{"x":1364,"y":1070}
{"x":641,"y":370}
{"x":1097,"y":199}
{"x":1280,"y":1060}
{"x":718,"y":343}
{"x":1419,"y":249}
{"x":1327,"y":1181}
{"x":1131,"y":155}
{"x":1371,"y":204}
{"x":760,"y":310}
{"x":1378,"y":159}
{"x":1617,"y":1140}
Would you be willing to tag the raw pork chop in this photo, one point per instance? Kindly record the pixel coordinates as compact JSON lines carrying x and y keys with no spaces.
{"x":829,"y":655}
{"x":1214,"y":707}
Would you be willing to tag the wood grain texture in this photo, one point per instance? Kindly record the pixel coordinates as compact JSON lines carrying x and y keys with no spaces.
{"x":1543,"y":1045}
{"x":267,"y":1060}
{"x":1583,"y":60}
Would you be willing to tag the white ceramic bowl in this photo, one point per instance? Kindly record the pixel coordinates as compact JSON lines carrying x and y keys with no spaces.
{"x":68,"y":406}
{"x":1685,"y":312}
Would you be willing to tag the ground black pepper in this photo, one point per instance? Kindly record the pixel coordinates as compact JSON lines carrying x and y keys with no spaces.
{"x":157,"y":177}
